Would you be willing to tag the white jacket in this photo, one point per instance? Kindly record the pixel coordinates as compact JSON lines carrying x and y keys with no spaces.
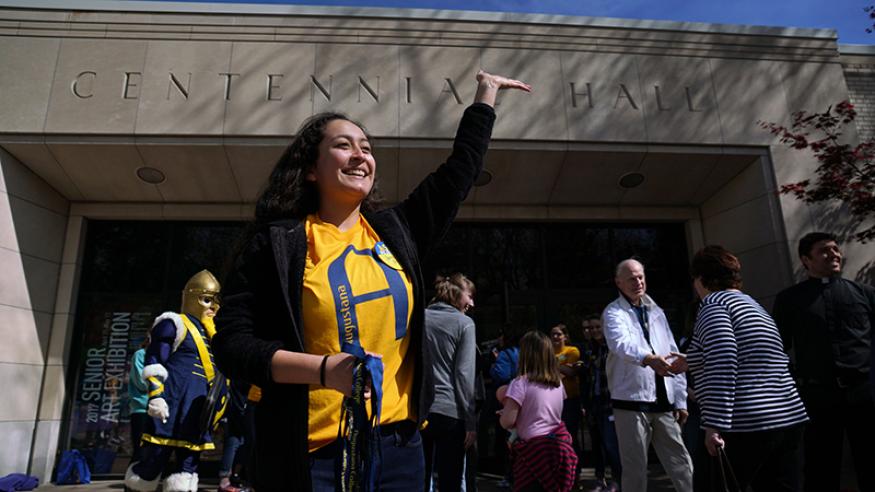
{"x":627,"y":379}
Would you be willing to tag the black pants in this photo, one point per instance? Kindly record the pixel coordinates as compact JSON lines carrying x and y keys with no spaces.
{"x":444,"y":447}
{"x":768,"y":461}
{"x":138,"y":424}
{"x":835,"y":412}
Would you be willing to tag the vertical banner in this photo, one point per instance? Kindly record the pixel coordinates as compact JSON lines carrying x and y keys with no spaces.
{"x":100,"y":418}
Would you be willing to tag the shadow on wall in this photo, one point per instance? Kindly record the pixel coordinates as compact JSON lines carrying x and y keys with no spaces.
{"x":36,"y":227}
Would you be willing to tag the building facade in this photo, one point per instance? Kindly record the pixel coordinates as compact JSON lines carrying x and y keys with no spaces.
{"x":133,"y":145}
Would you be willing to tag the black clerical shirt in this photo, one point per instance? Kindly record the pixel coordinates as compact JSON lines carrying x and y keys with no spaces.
{"x":828,"y":324}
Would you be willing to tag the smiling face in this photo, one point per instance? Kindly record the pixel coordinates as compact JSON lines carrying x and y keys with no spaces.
{"x":630,"y":280}
{"x":824,"y":260}
{"x":557,"y":336}
{"x":345,"y":169}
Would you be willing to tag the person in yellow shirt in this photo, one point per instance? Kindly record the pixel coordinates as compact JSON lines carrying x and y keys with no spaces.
{"x":569,"y":365}
{"x":325,"y":283}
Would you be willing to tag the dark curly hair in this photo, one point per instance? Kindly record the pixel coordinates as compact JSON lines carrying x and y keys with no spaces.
{"x":716,"y":268}
{"x":288,"y":194}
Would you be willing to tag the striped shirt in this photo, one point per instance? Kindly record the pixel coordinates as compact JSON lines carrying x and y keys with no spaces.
{"x":739,"y":367}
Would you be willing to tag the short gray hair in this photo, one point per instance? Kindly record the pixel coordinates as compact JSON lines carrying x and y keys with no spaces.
{"x":623,"y":264}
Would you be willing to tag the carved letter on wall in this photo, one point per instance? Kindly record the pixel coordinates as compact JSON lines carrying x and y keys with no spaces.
{"x":228,"y":77}
{"x":271,"y":86}
{"x":407,"y":87}
{"x":690,"y":101}
{"x":364,"y":86}
{"x":574,"y":95}
{"x":659,"y":103}
{"x":450,"y":88}
{"x":131,"y":81}
{"x":316,"y":86}
{"x":623,"y":93}
{"x":174,"y":82}
{"x":74,"y":87}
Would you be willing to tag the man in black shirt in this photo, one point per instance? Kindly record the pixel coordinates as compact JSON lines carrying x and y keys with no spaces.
{"x":826,"y":321}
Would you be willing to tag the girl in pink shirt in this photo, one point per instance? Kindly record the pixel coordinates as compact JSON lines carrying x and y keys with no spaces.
{"x":543,"y":457}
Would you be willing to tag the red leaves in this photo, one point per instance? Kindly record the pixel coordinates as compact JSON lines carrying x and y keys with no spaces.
{"x":843,"y":173}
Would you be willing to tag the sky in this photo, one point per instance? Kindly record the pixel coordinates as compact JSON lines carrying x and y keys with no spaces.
{"x":845,"y":16}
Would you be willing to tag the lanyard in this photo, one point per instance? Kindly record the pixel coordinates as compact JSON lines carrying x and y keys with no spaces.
{"x":362,"y":455}
{"x":641,"y":314}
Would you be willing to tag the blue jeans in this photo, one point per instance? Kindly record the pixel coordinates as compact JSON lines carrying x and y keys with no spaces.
{"x":232,"y":444}
{"x":403,"y":463}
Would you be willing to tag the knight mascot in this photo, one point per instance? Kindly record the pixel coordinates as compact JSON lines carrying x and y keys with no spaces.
{"x":187,"y":394}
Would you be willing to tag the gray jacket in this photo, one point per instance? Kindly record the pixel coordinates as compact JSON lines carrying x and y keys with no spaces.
{"x":451,"y":341}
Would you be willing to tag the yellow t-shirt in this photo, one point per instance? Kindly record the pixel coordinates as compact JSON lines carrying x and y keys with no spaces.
{"x":355,"y":291}
{"x":568,"y":356}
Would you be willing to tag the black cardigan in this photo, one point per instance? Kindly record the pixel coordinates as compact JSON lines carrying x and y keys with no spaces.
{"x":261,"y":310}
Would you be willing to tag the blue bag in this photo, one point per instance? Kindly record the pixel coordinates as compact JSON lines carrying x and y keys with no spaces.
{"x":72,"y":468}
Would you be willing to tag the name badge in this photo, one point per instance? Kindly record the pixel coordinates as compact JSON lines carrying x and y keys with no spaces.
{"x":382,"y":252}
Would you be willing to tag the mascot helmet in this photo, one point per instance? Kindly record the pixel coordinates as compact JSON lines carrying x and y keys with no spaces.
{"x":200,"y":297}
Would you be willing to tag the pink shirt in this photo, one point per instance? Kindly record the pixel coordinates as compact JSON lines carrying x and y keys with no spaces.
{"x":540,"y":407}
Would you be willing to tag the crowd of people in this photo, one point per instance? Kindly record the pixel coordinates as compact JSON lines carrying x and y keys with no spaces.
{"x":336,"y":374}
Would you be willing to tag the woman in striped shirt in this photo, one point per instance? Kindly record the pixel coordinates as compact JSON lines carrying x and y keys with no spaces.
{"x":749,"y":402}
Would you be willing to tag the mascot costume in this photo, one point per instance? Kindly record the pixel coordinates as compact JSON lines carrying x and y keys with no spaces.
{"x":187,"y":394}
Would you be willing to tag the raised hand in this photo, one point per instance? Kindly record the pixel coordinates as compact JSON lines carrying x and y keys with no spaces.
{"x":489,"y":84}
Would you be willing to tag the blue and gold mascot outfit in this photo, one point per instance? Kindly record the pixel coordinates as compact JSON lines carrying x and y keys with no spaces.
{"x":180,"y":374}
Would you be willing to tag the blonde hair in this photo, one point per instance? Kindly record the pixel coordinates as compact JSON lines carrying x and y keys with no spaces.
{"x":449,"y":289}
{"x":538,"y":359}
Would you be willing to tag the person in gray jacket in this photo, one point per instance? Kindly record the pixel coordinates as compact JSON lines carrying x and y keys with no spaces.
{"x":452,"y":346}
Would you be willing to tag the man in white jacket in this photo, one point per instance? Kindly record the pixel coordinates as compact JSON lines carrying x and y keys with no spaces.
{"x":649,"y":401}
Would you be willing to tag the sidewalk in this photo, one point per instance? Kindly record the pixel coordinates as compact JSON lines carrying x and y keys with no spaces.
{"x":485,"y":483}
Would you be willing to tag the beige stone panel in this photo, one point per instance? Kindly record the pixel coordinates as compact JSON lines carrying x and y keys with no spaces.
{"x":517,"y":180}
{"x":436,"y":86}
{"x":14,"y":287}
{"x":196,"y":66}
{"x":42,"y":282}
{"x":765,"y":270}
{"x":61,"y":337}
{"x":24,"y":183}
{"x":792,"y":165}
{"x":21,"y":383}
{"x":728,"y":166}
{"x":202,"y":211}
{"x":685,"y":110}
{"x":658,"y":213}
{"x":194,"y":173}
{"x":103,"y":107}
{"x":26,"y":78}
{"x":529,"y":116}
{"x":347,"y":71}
{"x":17,"y":436}
{"x":39,"y":232}
{"x":126,"y":211}
{"x":415,"y":164}
{"x":248,"y":109}
{"x":750,"y":183}
{"x":614,"y":85}
{"x":105,"y":172}
{"x":24,"y":334}
{"x":74,"y":241}
{"x":803,"y":94}
{"x":251,"y":165}
{"x":509,"y":212}
{"x":591,"y":178}
{"x":670,"y":179}
{"x":744,"y":227}
{"x":8,"y":236}
{"x":68,"y":281}
{"x":45,"y":447}
{"x":54,"y":391}
{"x":388,"y":156}
{"x":748,"y":91}
{"x":42,"y":165}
